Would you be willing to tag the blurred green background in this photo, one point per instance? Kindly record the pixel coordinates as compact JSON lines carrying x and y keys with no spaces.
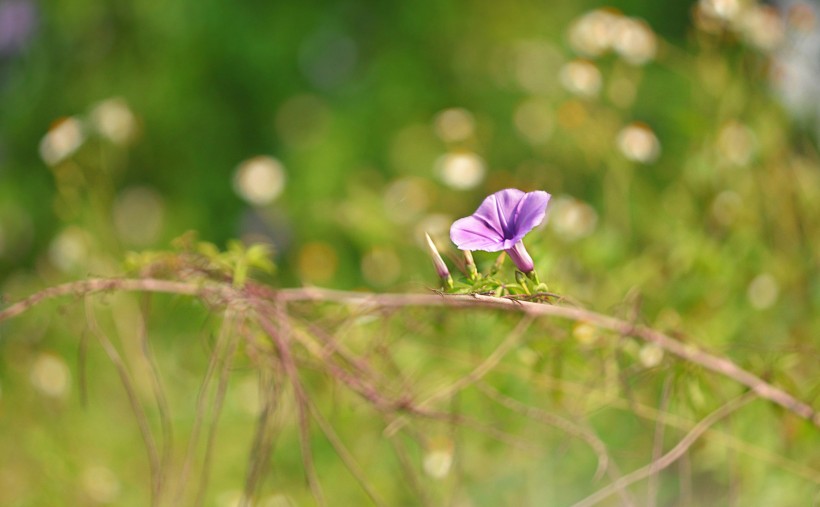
{"x":678,"y":140}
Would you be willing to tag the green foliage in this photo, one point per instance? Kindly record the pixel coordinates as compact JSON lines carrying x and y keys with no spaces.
{"x":205,"y":259}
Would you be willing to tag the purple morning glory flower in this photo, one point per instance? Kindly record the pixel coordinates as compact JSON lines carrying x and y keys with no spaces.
{"x":501,"y":222}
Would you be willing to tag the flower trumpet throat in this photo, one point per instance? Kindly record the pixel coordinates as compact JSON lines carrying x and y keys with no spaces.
{"x":521,"y":258}
{"x":501,"y":222}
{"x":441,"y":268}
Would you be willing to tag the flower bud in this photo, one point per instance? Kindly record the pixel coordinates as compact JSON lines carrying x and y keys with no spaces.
{"x":438,"y":262}
{"x":469,"y":263}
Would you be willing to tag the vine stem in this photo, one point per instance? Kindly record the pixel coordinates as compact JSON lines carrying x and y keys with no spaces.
{"x":222,"y":292}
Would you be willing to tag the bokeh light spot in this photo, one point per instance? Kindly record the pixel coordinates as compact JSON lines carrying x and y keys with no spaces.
{"x":64,"y":138}
{"x":460,"y":170}
{"x":591,"y":34}
{"x":638,"y":143}
{"x":582,"y":78}
{"x":317,"y":262}
{"x":571,"y":218}
{"x":763,"y":27}
{"x":438,"y":458}
{"x":454,"y":125}
{"x":650,"y":355}
{"x":69,"y":250}
{"x":113,"y":119}
{"x":259,"y":180}
{"x":50,"y":375}
{"x":139,"y":214}
{"x":634,"y":41}
{"x":763,"y":291}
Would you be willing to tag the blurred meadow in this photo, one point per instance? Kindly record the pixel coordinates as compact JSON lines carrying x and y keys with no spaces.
{"x":679,"y":143}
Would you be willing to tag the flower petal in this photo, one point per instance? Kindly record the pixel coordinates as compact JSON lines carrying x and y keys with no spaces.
{"x":529,"y":212}
{"x":472,"y":233}
{"x":498,"y":211}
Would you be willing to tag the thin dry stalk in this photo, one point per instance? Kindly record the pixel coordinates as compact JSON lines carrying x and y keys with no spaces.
{"x":345,"y":455}
{"x":684,"y":351}
{"x":216,"y":292}
{"x":519,"y":443}
{"x":225,"y":331}
{"x":410,"y":472}
{"x":226,"y":360}
{"x":359,"y":380}
{"x":670,"y":457}
{"x":133,"y":400}
{"x":544,"y":417}
{"x":82,"y":368}
{"x":265,"y":437}
{"x":510,"y":342}
{"x":657,"y":446}
{"x":280,"y":335}
{"x":157,"y":387}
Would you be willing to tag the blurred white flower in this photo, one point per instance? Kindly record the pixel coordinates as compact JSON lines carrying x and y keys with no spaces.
{"x":571,"y":218}
{"x":638,"y":143}
{"x":634,"y":41}
{"x":113,"y":119}
{"x":50,"y":375}
{"x":438,"y":458}
{"x":726,"y":10}
{"x":592,"y":33}
{"x":763,"y":291}
{"x":762,"y":26}
{"x":581,"y":77}
{"x":61,"y":141}
{"x":650,"y":355}
{"x":460,"y":170}
{"x":454,"y":125}
{"x":259,"y":180}
{"x":69,"y":249}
